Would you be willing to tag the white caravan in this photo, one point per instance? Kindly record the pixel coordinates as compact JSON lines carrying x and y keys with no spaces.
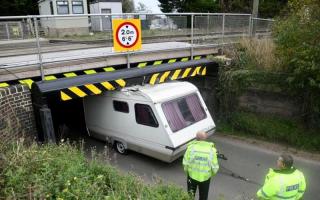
{"x":155,"y":120}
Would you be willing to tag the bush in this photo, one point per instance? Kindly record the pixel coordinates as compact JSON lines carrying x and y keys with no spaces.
{"x":298,"y":48}
{"x":272,"y":128}
{"x":255,"y":54}
{"x":63,"y":172}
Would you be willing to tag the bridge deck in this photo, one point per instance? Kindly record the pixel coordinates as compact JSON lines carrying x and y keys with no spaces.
{"x":32,"y":59}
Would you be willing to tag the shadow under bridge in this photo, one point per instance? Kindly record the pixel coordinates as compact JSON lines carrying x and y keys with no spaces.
{"x":60,"y":101}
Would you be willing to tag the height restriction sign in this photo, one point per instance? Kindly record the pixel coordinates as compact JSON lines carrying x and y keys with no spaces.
{"x":126,"y":34}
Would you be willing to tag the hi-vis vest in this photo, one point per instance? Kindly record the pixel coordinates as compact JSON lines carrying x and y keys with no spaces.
{"x":283,"y":184}
{"x":200,"y":160}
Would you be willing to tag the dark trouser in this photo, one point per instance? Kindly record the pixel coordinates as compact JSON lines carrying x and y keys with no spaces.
{"x":203,"y":188}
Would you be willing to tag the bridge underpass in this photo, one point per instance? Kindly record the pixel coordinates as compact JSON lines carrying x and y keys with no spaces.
{"x":195,"y":36}
{"x":58,"y":103}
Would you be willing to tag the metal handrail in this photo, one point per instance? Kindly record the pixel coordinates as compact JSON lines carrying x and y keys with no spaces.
{"x":120,"y":14}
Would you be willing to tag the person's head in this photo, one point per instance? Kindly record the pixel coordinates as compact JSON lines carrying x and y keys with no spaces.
{"x":285,"y":161}
{"x":202,"y":135}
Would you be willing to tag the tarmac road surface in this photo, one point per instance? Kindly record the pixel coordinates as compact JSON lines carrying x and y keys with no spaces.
{"x":244,"y":159}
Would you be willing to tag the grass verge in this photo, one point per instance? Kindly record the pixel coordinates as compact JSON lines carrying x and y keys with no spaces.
{"x":271,"y":128}
{"x":63,"y":172}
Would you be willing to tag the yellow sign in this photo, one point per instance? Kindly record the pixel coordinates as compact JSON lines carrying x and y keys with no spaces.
{"x":126,"y":34}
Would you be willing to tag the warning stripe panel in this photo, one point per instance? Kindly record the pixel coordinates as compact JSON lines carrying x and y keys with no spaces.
{"x":4,"y":85}
{"x":154,"y":78}
{"x":27,"y":82}
{"x":92,"y":71}
{"x":50,"y":77}
{"x":98,"y":88}
{"x":176,"y":74}
{"x":195,"y":71}
{"x":64,"y":96}
{"x":186,"y":72}
{"x":158,"y":62}
{"x":93,"y":89}
{"x":204,"y":71}
{"x":108,"y":85}
{"x":85,"y":90}
{"x":172,"y":60}
{"x":197,"y":58}
{"x":77,"y":91}
{"x":164,"y":76}
{"x":142,"y":65}
{"x":70,"y":74}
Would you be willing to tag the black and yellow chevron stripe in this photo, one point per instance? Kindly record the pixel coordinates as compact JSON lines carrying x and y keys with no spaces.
{"x":90,"y":89}
{"x":29,"y":81}
{"x":98,"y":88}
{"x":176,"y":74}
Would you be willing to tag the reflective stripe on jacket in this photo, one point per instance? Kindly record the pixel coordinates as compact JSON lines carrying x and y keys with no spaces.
{"x":283,"y":184}
{"x":200,"y":160}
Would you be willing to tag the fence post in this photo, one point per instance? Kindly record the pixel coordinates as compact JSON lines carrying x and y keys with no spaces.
{"x":7,"y":31}
{"x":250,"y":26}
{"x":192,"y":36}
{"x":128,"y":60}
{"x":38,"y":47}
{"x":223,"y":27}
{"x":253,"y":26}
{"x":208,"y":19}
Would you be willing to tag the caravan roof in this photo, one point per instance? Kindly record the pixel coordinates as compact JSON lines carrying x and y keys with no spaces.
{"x":154,"y":93}
{"x":164,"y":92}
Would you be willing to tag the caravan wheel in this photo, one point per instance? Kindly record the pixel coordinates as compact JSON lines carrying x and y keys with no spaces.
{"x":121,"y":148}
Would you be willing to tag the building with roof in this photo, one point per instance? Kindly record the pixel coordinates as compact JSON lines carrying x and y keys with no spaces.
{"x":62,"y":26}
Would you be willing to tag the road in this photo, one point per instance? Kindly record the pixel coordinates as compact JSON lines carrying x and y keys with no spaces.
{"x":245,"y":159}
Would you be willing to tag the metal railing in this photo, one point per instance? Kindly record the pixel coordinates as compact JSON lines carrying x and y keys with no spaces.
{"x":39,"y":35}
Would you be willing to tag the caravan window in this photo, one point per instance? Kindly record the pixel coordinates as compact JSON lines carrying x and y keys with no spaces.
{"x":121,"y":106}
{"x":145,"y":115}
{"x":183,"y":112}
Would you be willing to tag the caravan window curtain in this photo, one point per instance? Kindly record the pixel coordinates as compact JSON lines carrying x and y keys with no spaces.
{"x":183,"y":112}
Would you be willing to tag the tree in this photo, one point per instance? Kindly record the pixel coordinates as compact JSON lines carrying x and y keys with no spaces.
{"x":198,"y":6}
{"x":267,"y":8}
{"x":167,"y":6}
{"x":298,"y":46}
{"x":128,"y":6}
{"x":19,"y":7}
{"x":142,"y":8}
{"x":271,"y":8}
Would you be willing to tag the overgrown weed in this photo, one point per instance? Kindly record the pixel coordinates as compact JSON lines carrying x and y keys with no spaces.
{"x":63,"y":172}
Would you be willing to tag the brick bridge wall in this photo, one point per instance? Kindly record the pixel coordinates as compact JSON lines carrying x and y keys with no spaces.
{"x":16,"y":114}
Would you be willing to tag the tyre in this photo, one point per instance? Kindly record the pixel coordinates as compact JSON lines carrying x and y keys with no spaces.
{"x":121,"y":148}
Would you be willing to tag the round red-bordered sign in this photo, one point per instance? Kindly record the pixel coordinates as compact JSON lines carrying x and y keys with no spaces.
{"x":124,"y":32}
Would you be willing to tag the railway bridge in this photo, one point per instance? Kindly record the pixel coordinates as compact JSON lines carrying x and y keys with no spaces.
{"x":74,"y":61}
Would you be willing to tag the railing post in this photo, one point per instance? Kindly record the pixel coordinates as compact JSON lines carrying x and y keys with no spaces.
{"x":21,"y":29}
{"x":208,"y":20}
{"x":223,"y":27}
{"x":192,"y":36}
{"x":38,"y":47}
{"x":250,"y":26}
{"x":128,"y":60}
{"x":7,"y":31}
